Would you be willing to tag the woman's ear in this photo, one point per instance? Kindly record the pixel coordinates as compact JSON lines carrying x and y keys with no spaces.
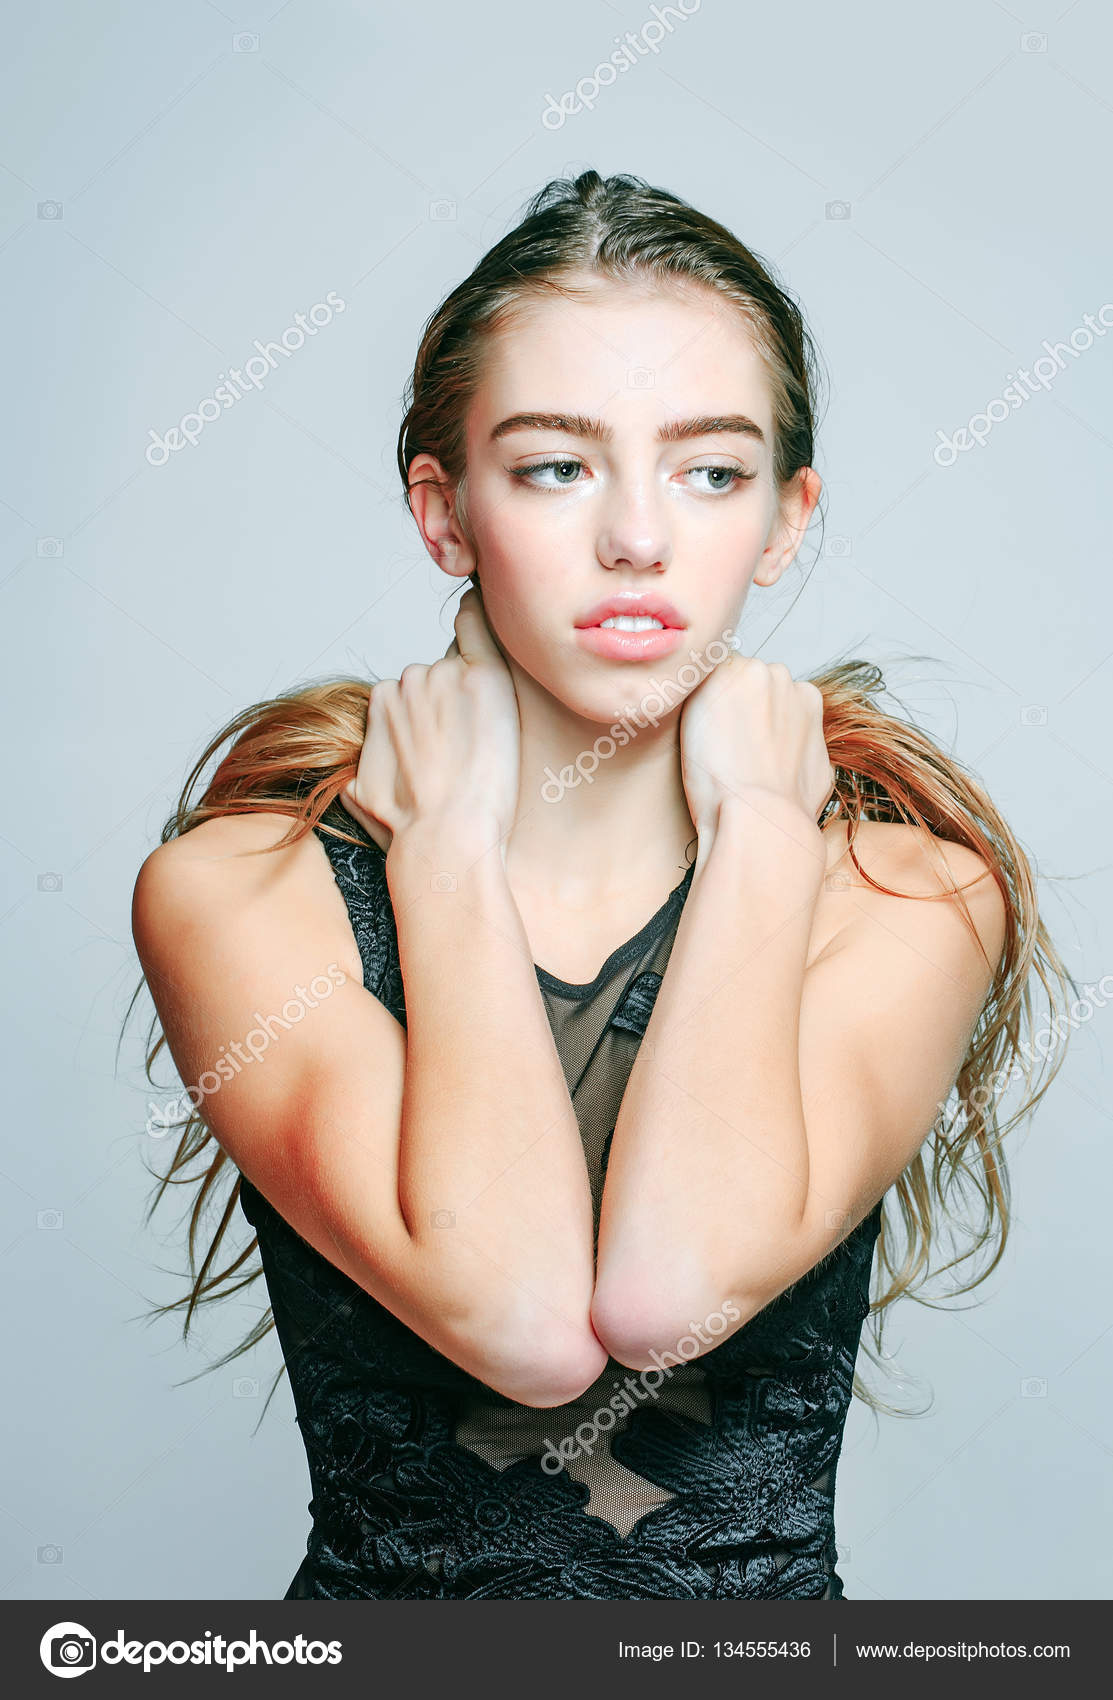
{"x":431,"y":503}
{"x":794,"y":513}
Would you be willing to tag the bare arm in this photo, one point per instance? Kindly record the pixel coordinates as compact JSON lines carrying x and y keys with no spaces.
{"x":492,"y":1180}
{"x":358,"y":1133}
{"x":772,"y":1104}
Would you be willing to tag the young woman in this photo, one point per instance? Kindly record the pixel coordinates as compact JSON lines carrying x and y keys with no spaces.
{"x":437,"y":961}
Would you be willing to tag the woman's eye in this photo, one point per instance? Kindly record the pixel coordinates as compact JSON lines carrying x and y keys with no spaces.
{"x":564,"y":469}
{"x":721,"y":477}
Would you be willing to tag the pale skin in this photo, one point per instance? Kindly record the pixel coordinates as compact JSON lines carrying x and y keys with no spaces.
{"x":806,"y":1027}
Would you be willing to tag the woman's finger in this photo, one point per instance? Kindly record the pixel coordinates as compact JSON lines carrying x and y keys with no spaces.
{"x":473,"y":635}
{"x":375,"y":829}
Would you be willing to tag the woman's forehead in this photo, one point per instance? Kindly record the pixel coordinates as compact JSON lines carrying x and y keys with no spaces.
{"x":686,"y":352}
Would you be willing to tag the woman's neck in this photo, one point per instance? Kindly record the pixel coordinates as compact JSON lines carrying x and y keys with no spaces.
{"x":595,"y":817}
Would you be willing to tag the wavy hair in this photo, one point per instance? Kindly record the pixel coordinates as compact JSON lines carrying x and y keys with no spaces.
{"x":293,"y":754}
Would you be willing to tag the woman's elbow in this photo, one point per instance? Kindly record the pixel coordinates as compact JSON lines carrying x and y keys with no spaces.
{"x":629,"y":1329}
{"x":545,"y":1367}
{"x":642,"y":1331}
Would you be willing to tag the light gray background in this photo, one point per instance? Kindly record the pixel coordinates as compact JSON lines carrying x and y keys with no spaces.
{"x":210,"y":186}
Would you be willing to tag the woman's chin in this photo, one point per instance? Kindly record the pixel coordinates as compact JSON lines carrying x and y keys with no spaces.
{"x":603,"y":693}
{"x":638,"y":707}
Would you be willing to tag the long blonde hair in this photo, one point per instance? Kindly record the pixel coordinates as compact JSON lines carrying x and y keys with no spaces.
{"x":294,"y":753}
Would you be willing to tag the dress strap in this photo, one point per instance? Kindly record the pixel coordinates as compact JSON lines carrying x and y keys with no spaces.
{"x":360,"y":873}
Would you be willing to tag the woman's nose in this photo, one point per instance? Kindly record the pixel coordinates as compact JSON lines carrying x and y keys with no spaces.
{"x":635,"y":533}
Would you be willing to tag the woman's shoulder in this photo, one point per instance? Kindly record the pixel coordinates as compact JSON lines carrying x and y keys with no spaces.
{"x":892,"y":849}
{"x":914,"y":863}
{"x":243,"y":852}
{"x":236,"y":863}
{"x":226,"y":835}
{"x":228,"y":838}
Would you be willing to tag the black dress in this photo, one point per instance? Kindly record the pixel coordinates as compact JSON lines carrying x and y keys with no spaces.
{"x":713,"y":1480}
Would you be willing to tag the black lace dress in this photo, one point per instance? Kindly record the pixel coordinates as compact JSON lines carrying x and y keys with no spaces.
{"x":714,"y":1480}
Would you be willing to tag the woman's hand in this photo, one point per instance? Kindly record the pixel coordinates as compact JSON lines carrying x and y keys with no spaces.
{"x":442,"y":741}
{"x":750,"y":726}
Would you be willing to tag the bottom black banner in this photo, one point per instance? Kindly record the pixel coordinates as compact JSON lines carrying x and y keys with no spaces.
{"x":617,"y":1646}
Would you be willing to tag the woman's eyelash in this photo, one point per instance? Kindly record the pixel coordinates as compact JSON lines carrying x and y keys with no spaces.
{"x":738,"y":474}
{"x":542,"y":465}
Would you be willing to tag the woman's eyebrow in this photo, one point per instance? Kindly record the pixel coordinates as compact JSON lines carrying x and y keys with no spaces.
{"x":577,"y":425}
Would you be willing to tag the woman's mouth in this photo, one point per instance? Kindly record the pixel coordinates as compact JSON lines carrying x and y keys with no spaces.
{"x":630,"y":640}
{"x":642,"y":631}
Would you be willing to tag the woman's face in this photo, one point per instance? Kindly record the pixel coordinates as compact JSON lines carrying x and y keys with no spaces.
{"x":645,"y":471}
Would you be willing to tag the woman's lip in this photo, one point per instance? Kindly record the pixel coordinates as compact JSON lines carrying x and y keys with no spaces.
{"x":617,"y":645}
{"x":655,"y":606}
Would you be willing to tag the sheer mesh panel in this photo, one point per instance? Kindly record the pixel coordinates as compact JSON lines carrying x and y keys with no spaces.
{"x":501,"y":1434}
